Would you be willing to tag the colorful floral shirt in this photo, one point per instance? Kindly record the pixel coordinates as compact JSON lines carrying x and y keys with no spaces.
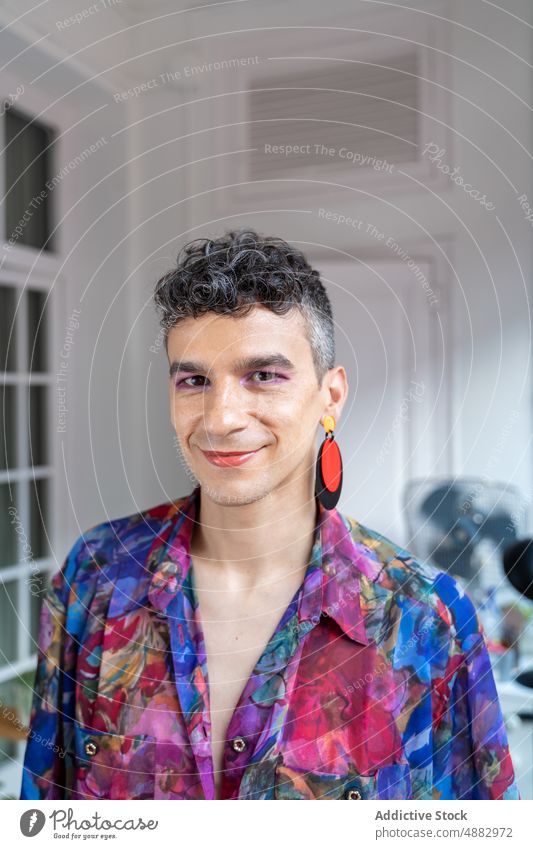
{"x":375,"y":684}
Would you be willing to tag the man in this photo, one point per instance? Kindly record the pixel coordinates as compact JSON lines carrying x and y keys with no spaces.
{"x":245,"y":641}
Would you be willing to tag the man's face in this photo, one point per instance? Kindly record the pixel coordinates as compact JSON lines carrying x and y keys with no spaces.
{"x":220,"y":403}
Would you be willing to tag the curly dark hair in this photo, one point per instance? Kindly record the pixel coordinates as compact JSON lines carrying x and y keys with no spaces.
{"x":240,"y":269}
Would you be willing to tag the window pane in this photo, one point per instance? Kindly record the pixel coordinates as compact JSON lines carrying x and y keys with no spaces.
{"x":8,"y":448}
{"x":9,"y":523}
{"x":24,"y":692}
{"x":27,"y":201}
{"x":8,"y":621}
{"x":38,"y":426}
{"x":36,"y":588}
{"x":8,"y":752}
{"x":37,"y":331}
{"x":39,"y":517}
{"x":8,"y":303}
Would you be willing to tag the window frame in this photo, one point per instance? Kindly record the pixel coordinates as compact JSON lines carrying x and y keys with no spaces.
{"x":27,"y":268}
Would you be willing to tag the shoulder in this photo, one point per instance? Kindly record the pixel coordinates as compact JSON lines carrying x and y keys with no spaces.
{"x":102,"y":546}
{"x":419,"y":586}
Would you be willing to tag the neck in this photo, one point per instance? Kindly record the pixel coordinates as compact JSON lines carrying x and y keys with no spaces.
{"x":248,"y":545}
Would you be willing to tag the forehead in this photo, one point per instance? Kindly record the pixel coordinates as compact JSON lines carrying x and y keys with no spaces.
{"x":223,"y":338}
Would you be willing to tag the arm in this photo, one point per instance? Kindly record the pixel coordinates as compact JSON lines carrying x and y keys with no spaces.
{"x":481,"y":762}
{"x":44,"y":770}
{"x":472,"y":758}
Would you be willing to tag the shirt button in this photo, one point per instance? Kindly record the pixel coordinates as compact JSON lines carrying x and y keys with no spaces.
{"x":239,"y":744}
{"x":353,"y":794}
{"x":91,"y":748}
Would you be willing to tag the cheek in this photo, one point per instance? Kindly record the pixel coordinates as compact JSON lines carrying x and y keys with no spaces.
{"x":294,"y":416}
{"x":296,"y":435}
{"x":178,"y":421}
{"x":179,"y":410}
{"x":291,"y":408}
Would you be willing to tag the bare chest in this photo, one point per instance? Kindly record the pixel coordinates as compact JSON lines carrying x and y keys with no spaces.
{"x":234,"y":642}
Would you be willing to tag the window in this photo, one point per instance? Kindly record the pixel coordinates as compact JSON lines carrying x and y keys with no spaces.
{"x":26,"y":395}
{"x":27,"y":169}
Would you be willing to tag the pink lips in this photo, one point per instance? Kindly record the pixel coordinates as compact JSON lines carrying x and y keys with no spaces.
{"x":233,"y":458}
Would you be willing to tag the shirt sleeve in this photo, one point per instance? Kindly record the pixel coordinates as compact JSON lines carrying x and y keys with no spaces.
{"x":44,"y":774}
{"x":473,"y":761}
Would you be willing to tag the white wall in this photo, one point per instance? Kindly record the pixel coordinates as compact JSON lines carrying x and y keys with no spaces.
{"x":142,"y":203}
{"x":485,"y":264}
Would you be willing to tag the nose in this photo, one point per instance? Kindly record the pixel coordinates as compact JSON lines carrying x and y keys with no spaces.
{"x":225,"y":409}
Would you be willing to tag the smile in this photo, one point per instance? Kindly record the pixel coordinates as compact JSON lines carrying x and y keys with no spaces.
{"x":229,"y":458}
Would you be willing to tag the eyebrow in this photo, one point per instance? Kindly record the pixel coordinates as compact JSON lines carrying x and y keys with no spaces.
{"x":258,"y":361}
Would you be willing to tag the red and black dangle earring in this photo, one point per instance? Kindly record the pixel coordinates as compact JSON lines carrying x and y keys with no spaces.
{"x":328,"y":479}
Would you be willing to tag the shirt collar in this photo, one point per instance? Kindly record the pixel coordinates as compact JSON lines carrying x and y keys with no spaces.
{"x":340,"y":580}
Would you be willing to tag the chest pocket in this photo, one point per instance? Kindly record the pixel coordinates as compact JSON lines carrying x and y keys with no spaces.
{"x":112,"y":766}
{"x":391,"y":781}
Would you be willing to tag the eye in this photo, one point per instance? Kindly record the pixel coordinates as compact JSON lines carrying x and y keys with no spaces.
{"x":272,"y":377}
{"x":272,"y":374}
{"x":192,"y":377}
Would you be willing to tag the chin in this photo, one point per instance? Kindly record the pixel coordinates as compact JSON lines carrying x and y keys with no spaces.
{"x":235,"y":496}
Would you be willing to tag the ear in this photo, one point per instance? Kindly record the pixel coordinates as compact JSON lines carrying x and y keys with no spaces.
{"x":336,"y":392}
